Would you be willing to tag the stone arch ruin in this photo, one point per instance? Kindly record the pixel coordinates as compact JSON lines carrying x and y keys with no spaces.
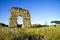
{"x":15,"y":12}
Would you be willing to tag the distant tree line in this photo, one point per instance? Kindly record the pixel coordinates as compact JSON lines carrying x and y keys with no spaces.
{"x":38,"y":25}
{"x":20,"y":25}
{"x":56,"y":22}
{"x":3,"y":25}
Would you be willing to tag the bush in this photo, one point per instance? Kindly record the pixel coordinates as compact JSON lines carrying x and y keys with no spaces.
{"x":36,"y":25}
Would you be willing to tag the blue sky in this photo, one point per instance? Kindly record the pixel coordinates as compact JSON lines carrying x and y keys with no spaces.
{"x":41,"y":11}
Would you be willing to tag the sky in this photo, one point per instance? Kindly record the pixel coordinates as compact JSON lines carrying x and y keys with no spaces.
{"x":41,"y":11}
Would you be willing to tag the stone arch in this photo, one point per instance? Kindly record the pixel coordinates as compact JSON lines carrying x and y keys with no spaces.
{"x":15,"y":12}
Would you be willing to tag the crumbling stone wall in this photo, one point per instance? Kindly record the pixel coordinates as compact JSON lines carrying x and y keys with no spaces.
{"x":15,"y":12}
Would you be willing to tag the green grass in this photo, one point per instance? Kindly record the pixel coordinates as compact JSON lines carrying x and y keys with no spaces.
{"x":49,"y":33}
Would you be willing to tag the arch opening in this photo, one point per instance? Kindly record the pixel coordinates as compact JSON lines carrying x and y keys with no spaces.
{"x":19,"y":21}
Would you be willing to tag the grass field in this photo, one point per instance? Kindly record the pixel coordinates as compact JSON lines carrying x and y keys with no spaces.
{"x":48,"y":33}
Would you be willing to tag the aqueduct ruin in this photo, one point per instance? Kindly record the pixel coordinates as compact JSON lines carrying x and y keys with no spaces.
{"x":15,"y":12}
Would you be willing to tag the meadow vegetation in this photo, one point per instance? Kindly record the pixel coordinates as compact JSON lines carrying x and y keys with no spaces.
{"x":44,"y":33}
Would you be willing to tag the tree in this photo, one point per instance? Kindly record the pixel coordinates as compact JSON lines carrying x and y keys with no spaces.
{"x":56,"y":22}
{"x":3,"y":25}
